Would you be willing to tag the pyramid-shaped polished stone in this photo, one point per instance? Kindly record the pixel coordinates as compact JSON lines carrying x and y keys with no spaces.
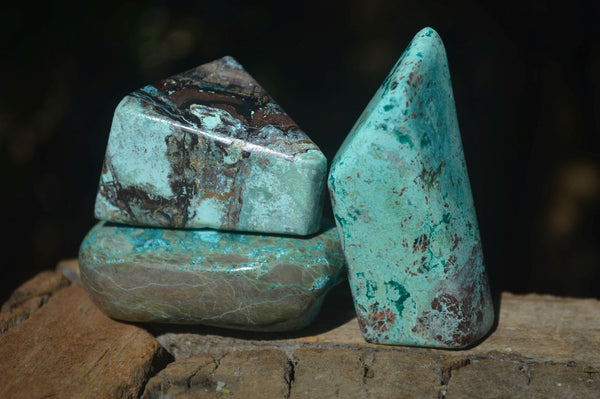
{"x":232,"y":280}
{"x":210,"y":148}
{"x":403,"y":206}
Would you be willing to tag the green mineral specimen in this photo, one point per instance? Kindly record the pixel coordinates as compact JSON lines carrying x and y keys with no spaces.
{"x":239,"y":281}
{"x":403,"y":205}
{"x":210,"y":148}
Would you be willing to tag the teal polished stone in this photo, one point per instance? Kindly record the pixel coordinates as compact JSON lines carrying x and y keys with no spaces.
{"x":403,"y":205}
{"x":210,"y":148}
{"x":231,"y":280}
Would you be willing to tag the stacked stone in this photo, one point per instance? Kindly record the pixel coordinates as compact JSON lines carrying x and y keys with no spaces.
{"x":210,"y":201}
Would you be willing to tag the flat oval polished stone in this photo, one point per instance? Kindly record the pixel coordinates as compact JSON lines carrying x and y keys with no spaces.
{"x":240,"y":281}
{"x":210,"y":148}
{"x":402,"y":201}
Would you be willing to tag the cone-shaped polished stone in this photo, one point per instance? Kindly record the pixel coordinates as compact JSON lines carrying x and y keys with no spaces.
{"x":232,"y":280}
{"x":403,"y":206}
{"x":210,"y":148}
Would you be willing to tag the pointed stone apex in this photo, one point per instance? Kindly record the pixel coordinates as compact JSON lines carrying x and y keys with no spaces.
{"x":428,"y":32}
{"x":402,"y":202}
{"x":210,"y":148}
{"x":225,"y":74}
{"x":230,"y":63}
{"x":424,"y":36}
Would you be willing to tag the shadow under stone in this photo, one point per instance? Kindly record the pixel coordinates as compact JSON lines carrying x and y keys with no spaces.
{"x":337,"y":309}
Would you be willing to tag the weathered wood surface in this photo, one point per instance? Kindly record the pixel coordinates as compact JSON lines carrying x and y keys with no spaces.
{"x":67,"y":348}
{"x":55,"y":343}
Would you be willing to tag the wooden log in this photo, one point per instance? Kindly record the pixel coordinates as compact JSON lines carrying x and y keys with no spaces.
{"x":68,"y":348}
{"x":542,"y":346}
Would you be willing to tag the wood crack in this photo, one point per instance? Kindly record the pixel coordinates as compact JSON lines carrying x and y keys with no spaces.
{"x":449,"y":366}
{"x":289,"y":376}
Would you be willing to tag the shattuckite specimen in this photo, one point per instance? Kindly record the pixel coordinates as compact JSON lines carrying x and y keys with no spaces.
{"x":210,"y":148}
{"x":403,"y":205}
{"x":224,"y":279}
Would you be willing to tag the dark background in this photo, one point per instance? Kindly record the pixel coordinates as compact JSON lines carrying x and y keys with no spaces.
{"x":526,"y":78}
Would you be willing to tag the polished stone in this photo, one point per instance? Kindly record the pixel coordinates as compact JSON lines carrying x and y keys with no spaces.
{"x":403,"y":205}
{"x":210,"y":148}
{"x":240,"y":281}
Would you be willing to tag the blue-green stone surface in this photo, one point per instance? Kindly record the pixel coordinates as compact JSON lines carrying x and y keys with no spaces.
{"x":210,"y":148}
{"x":403,"y":205}
{"x":232,"y":280}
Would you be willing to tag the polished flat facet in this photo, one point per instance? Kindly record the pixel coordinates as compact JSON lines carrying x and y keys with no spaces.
{"x":240,"y":281}
{"x":210,"y":148}
{"x":403,"y":205}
